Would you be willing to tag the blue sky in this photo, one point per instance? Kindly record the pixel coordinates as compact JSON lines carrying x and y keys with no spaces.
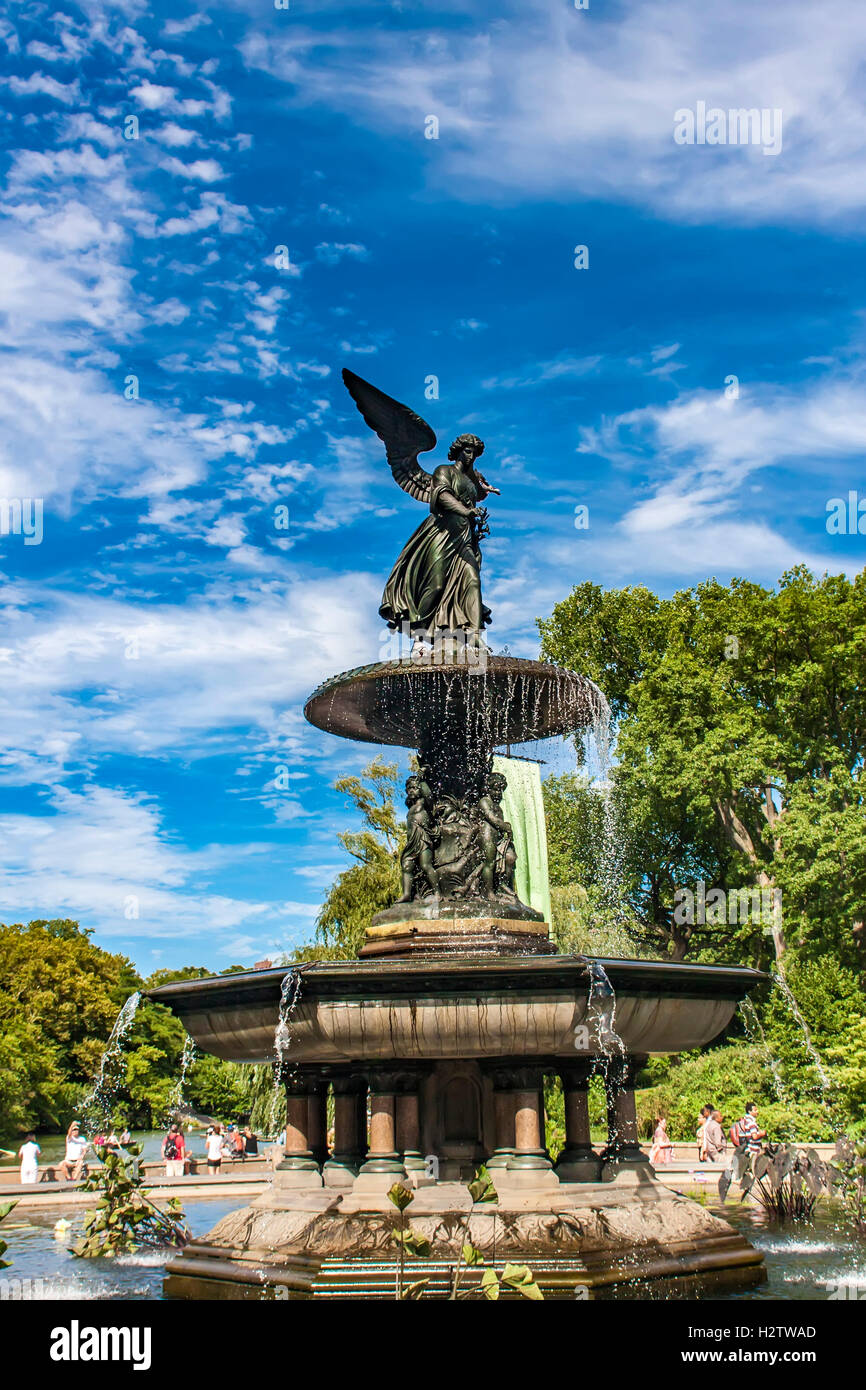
{"x":157,"y":646}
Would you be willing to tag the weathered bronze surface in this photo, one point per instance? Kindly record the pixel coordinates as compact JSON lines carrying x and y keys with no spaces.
{"x":413,"y":1008}
{"x":436,"y":582}
{"x":459,"y":855}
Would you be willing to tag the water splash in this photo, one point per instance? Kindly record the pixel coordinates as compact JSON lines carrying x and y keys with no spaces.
{"x":175,"y":1100}
{"x":611,"y":1056}
{"x":601,"y":1009}
{"x":290,"y":993}
{"x":794,"y":1008}
{"x":99,"y":1102}
{"x":755,"y":1031}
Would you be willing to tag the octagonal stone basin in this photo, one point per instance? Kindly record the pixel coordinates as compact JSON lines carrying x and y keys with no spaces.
{"x":374,"y":1011}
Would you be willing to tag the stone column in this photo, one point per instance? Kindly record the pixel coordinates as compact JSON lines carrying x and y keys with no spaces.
{"x":350,"y":1131}
{"x":382,"y":1156}
{"x":298,"y":1167}
{"x":503,"y":1113}
{"x":578,"y":1161}
{"x":318,"y":1121}
{"x":408,"y":1125}
{"x":623,"y":1147}
{"x":529,"y":1153}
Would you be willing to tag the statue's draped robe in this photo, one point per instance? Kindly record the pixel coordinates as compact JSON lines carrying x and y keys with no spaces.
{"x":436,"y":581}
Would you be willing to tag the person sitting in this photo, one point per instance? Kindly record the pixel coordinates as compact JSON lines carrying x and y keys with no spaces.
{"x":72,"y":1166}
{"x":251,"y":1143}
{"x":236,"y":1142}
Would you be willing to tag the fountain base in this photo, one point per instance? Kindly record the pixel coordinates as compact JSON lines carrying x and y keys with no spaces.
{"x":435,"y":1066}
{"x":628,"y":1237}
{"x":416,"y":928}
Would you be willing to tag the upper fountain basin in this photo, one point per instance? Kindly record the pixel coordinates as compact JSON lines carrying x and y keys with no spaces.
{"x":504,"y":700}
{"x":532,"y":1006}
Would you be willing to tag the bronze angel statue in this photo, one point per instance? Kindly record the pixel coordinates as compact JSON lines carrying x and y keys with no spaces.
{"x":436,"y":582}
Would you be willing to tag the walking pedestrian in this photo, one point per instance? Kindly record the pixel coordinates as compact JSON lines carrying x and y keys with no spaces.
{"x":662,"y":1150}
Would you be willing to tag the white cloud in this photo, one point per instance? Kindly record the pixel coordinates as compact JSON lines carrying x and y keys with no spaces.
{"x":104,"y":857}
{"x":332,"y":252}
{"x":553,"y":101}
{"x":225,"y":673}
{"x":205,"y":170}
{"x":39,"y":84}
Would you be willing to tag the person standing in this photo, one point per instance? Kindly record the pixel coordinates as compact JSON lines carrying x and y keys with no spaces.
{"x":214,"y":1147}
{"x":29,"y":1155}
{"x":251,"y":1143}
{"x":706,"y":1111}
{"x":174,"y":1152}
{"x":715,"y":1142}
{"x":750,"y":1133}
{"x":662,"y":1150}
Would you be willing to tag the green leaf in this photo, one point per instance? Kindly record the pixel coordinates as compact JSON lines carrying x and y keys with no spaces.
{"x":417,"y":1245}
{"x":490,"y":1284}
{"x":6,"y":1207}
{"x":481,"y":1187}
{"x":472,"y":1255}
{"x":400,"y":1196}
{"x":520,"y":1277}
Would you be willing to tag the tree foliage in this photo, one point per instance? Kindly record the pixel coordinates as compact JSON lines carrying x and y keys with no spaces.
{"x":740,"y":744}
{"x":373,"y":882}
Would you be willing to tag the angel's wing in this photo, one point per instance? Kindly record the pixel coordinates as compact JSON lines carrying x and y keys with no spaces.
{"x":404,"y":434}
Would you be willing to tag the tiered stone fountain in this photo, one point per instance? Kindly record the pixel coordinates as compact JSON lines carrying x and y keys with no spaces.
{"x":436,"y":1043}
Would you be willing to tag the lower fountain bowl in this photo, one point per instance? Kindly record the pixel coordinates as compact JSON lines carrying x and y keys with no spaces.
{"x":413,"y":1009}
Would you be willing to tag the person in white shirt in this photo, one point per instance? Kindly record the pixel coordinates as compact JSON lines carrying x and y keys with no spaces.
{"x":29,"y":1155}
{"x":214,"y":1146}
{"x":76,"y":1148}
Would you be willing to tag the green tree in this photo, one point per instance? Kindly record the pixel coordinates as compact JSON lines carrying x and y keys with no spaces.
{"x":372,"y":883}
{"x":740,"y":718}
{"x":59,"y":997}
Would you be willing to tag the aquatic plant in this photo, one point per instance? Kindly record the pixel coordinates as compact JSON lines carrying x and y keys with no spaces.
{"x":785,"y":1180}
{"x":5,"y":1208}
{"x":849,"y":1178}
{"x":125,"y":1219}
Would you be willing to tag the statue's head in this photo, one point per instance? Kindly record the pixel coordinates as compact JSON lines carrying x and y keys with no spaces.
{"x":496,"y":784}
{"x":413,"y":786}
{"x":467,"y":448}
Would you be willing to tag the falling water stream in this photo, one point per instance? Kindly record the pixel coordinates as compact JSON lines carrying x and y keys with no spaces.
{"x":785,"y":990}
{"x":601,"y":1012}
{"x":290,"y":993}
{"x":100,"y":1100}
{"x":190,"y":1053}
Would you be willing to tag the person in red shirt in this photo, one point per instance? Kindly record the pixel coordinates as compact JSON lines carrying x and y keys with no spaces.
{"x":174,"y":1152}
